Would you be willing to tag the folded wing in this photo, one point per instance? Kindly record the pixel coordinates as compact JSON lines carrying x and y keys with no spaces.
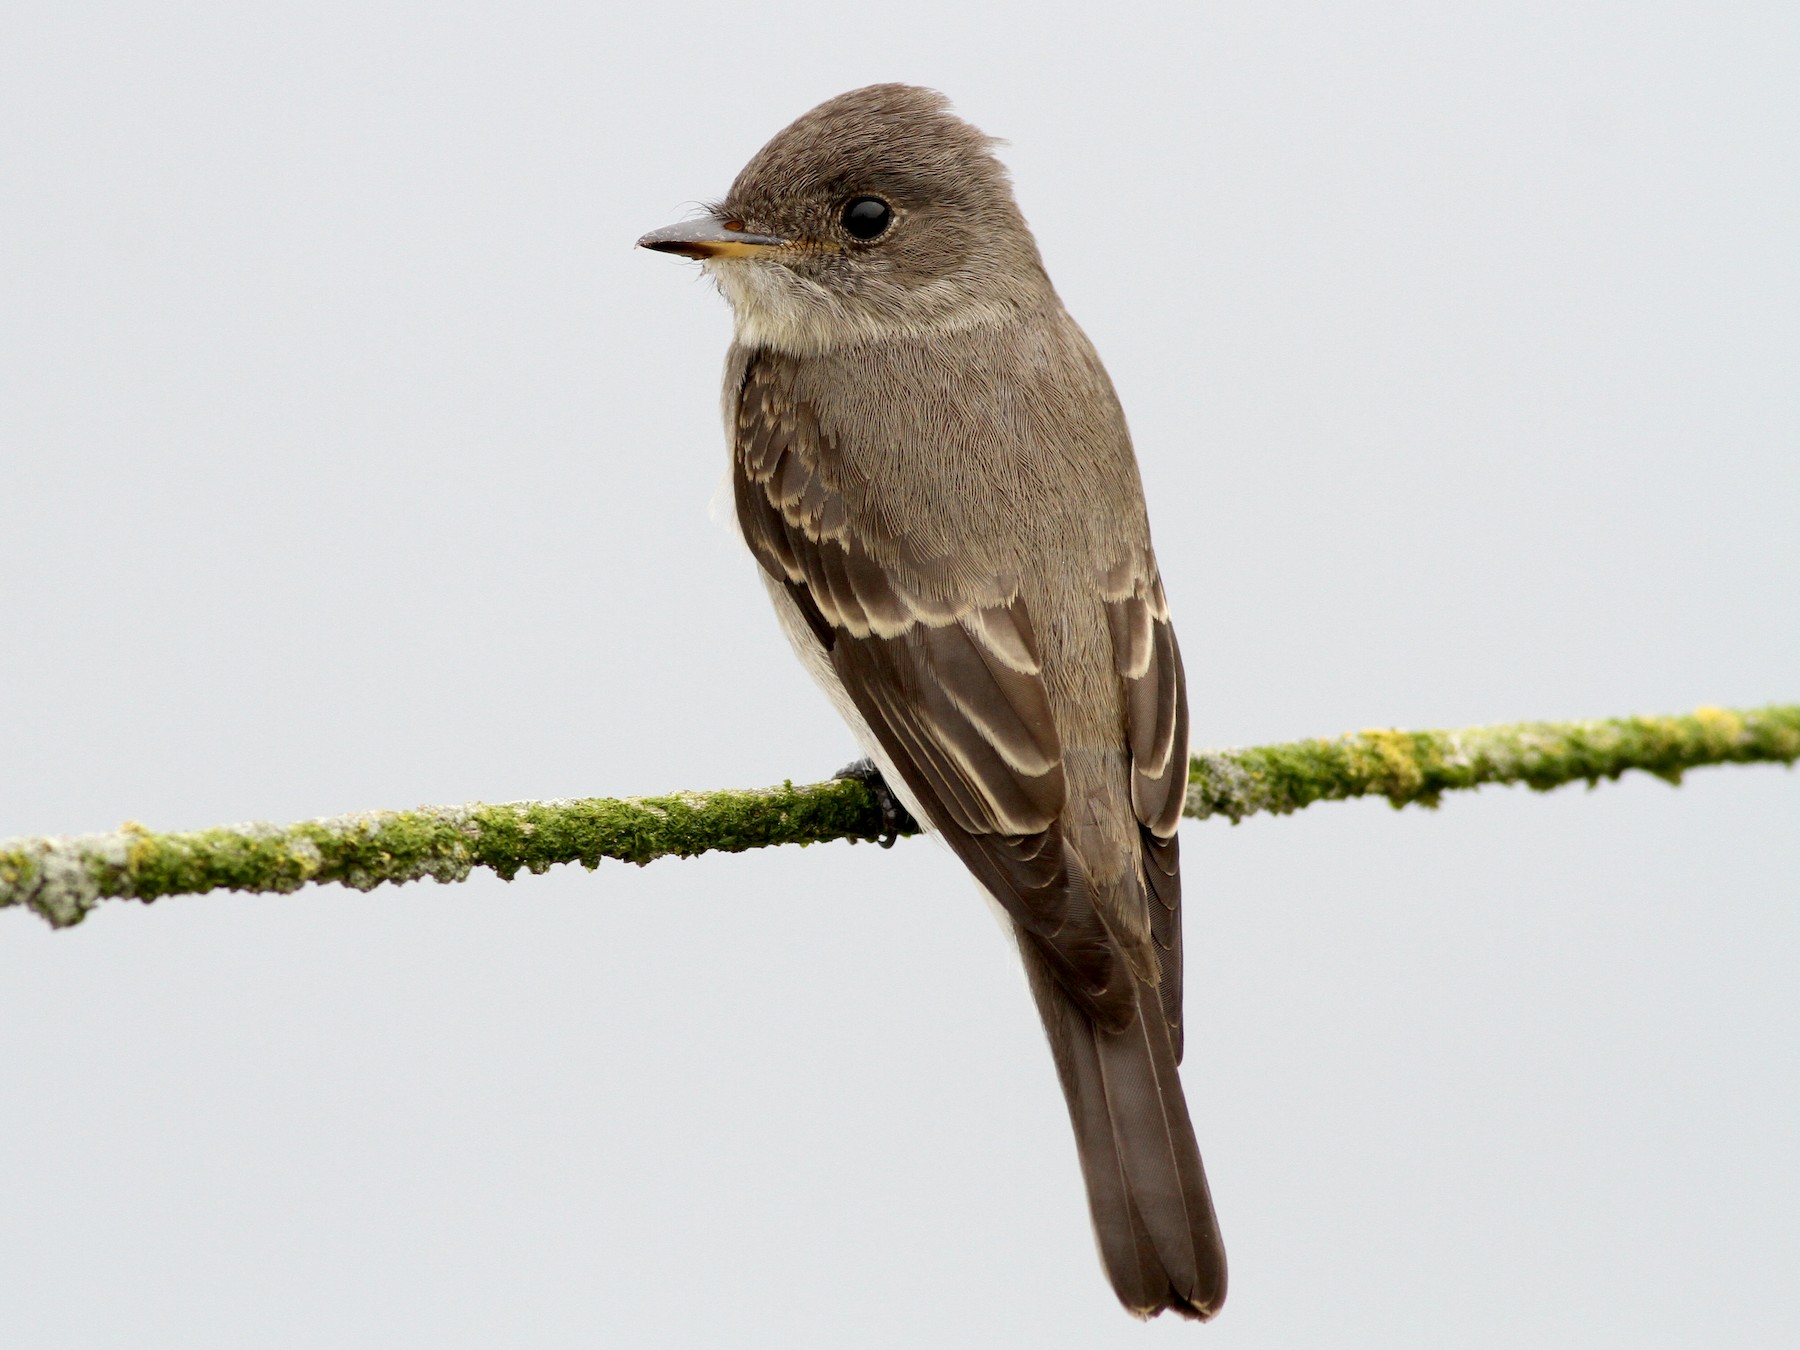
{"x":945,"y":669}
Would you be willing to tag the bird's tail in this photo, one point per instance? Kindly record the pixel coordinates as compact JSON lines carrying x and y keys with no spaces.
{"x":1153,"y":1215}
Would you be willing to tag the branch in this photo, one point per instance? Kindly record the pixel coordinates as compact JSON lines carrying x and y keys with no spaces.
{"x":62,"y":878}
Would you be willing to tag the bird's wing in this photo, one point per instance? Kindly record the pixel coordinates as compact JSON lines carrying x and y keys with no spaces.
{"x":945,"y":668}
{"x":1148,"y":660}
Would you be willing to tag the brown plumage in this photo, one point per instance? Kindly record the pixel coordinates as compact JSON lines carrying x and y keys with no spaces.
{"x":933,"y":471}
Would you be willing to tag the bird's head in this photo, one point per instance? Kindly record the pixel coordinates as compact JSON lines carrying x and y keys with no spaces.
{"x":877,"y":214}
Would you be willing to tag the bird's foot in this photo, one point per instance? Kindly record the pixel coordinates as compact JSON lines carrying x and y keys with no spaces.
{"x":896,"y":820}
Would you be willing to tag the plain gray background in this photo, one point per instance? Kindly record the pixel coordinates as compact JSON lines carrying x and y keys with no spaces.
{"x":350,"y":457}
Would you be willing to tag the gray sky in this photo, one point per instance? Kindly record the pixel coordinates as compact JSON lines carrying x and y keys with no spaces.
{"x":350,"y":457}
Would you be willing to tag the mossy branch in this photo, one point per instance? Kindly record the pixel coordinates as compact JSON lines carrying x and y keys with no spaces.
{"x":1415,"y":768}
{"x":62,"y":878}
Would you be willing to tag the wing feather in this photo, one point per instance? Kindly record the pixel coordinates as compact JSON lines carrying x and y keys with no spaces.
{"x":1148,"y":660}
{"x":947,"y":675}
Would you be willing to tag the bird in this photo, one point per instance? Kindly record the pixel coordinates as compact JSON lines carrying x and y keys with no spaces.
{"x":933,"y":472}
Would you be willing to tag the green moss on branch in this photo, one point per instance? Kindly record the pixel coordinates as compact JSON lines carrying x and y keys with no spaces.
{"x":1418,"y":767}
{"x":62,"y":878}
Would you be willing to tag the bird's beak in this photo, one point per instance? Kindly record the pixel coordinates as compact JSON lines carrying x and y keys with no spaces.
{"x":710,"y":237}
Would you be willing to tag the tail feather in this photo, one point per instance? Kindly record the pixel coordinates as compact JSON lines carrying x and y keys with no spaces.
{"x":1152,"y":1211}
{"x":1126,"y":1248}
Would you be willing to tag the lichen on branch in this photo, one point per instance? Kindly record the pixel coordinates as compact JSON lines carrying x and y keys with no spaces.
{"x":63,"y":877}
{"x":1415,"y":768}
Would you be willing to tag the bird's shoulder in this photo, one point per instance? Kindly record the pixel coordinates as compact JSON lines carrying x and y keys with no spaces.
{"x":1001,"y":440}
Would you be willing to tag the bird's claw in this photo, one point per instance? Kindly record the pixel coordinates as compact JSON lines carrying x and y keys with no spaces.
{"x":896,"y":820}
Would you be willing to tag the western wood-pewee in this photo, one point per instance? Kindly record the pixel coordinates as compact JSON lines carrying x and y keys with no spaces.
{"x":932,"y":468}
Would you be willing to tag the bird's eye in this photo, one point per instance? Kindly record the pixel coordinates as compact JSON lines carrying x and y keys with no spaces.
{"x":867,"y":217}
